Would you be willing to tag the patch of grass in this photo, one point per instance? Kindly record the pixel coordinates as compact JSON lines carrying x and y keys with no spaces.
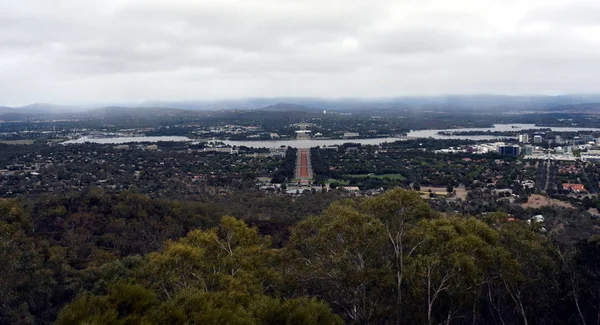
{"x":341,"y":182}
{"x":17,"y":142}
{"x":390,"y":176}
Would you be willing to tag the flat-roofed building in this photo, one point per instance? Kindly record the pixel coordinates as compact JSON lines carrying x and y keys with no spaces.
{"x":509,"y":150}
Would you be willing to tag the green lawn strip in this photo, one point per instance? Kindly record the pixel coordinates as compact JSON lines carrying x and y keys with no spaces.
{"x":390,"y":176}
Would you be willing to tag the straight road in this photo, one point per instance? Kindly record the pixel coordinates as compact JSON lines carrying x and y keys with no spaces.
{"x":303,"y":167}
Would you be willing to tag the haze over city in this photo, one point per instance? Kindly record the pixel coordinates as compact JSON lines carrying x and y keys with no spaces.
{"x":85,"y":52}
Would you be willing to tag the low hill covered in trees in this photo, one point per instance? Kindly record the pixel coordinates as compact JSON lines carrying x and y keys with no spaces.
{"x":383,"y":260}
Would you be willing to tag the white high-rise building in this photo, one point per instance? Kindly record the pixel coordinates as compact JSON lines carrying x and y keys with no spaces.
{"x":537,"y":139}
{"x":524,"y":138}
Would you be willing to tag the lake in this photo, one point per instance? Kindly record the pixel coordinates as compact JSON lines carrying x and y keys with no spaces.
{"x":321,"y":143}
{"x":306,"y":143}
{"x":497,"y":127}
{"x":121,"y":140}
{"x":253,"y":144}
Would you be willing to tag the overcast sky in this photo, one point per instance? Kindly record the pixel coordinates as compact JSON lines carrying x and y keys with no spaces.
{"x":78,"y":51}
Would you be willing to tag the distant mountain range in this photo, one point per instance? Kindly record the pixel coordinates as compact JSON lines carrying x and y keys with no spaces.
{"x":42,"y":108}
{"x":36,"y":111}
{"x":118,"y":111}
{"x":286,"y":107}
{"x":585,"y":104}
{"x":586,"y":108}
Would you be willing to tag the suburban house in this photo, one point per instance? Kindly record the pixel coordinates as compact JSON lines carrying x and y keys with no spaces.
{"x":577,"y":188}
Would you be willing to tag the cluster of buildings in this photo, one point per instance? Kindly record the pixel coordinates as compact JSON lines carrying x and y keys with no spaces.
{"x":591,"y":155}
{"x":278,"y":152}
{"x":229,"y":150}
{"x":239,"y":131}
{"x":229,"y":129}
{"x":499,"y":147}
{"x":483,"y":148}
{"x":580,"y":140}
{"x":350,"y":135}
{"x":305,"y":134}
{"x":149,"y":167}
{"x":537,"y":138}
{"x":528,"y":151}
{"x":531,"y":148}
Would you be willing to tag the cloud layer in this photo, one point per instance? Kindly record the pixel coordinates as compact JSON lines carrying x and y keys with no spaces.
{"x":79,"y":51}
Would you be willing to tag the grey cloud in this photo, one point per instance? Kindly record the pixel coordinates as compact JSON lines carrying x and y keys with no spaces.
{"x":129,"y":50}
{"x":573,"y":14}
{"x":419,"y":40}
{"x":249,"y":28}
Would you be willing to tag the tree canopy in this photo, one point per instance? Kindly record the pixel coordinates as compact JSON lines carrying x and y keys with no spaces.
{"x":389,"y":259}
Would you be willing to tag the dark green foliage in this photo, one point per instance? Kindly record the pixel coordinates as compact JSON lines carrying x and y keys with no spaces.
{"x":129,"y":259}
{"x":208,"y":277}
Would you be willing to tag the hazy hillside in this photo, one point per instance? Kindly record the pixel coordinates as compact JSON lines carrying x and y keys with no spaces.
{"x":574,"y":103}
{"x":587,"y":108}
{"x":287,"y":107}
{"x":133,"y":111}
{"x":5,"y":109}
{"x":16,"y":116}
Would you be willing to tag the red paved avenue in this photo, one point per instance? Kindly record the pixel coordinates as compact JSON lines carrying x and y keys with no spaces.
{"x":303,"y":171}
